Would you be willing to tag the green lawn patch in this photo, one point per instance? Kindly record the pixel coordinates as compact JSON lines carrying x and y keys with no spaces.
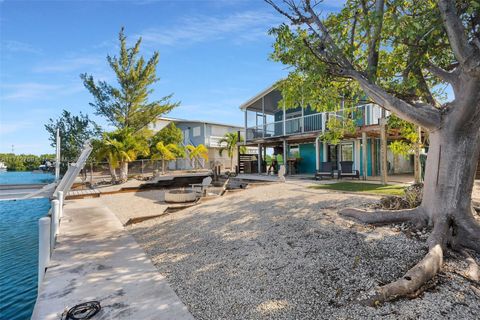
{"x":390,"y":190}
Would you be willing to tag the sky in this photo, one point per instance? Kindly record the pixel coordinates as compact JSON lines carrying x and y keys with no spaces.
{"x":214,"y":55}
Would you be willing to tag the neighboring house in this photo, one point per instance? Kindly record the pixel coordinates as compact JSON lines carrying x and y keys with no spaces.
{"x":293,"y":134}
{"x":202,"y":132}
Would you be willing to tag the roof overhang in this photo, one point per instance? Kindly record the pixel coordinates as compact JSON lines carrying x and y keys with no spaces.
{"x":270,"y":96}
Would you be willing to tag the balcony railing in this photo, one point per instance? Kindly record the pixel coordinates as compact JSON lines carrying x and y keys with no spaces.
{"x":363,"y":115}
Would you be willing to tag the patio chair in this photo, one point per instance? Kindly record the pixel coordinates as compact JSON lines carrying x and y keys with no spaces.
{"x":346,"y":170}
{"x":326,"y":170}
{"x":201,"y":188}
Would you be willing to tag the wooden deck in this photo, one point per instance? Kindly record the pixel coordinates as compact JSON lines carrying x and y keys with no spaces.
{"x":81,"y":194}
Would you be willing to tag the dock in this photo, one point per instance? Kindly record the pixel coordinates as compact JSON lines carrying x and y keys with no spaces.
{"x":96,"y":259}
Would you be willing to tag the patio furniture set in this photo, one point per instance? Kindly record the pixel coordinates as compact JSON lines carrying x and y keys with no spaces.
{"x":346,"y":170}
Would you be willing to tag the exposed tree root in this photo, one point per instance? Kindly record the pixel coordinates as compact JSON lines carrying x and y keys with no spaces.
{"x":459,"y":234}
{"x":473,"y":271}
{"x":411,"y":283}
{"x":383,"y":217}
{"x":468,"y":232}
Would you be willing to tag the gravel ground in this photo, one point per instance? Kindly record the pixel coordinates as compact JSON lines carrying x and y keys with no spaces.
{"x":281,"y":252}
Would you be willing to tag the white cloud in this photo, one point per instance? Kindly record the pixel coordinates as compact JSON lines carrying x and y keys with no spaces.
{"x":35,"y":90}
{"x":239,"y":27}
{"x":70,"y":64}
{"x":18,"y":46}
{"x":6,"y":128}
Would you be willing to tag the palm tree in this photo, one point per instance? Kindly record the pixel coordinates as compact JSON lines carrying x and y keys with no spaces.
{"x":229,"y":142}
{"x":194,"y":153}
{"x":167,"y":152}
{"x":107,"y":149}
{"x":121,"y":147}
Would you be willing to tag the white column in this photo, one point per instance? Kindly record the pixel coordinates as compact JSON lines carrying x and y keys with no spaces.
{"x":259,"y":159}
{"x":60,"y":197}
{"x":263,"y":117}
{"x":325,"y":152}
{"x":324,"y":121}
{"x":357,"y":154}
{"x":285,"y":156}
{"x":43,"y":247}
{"x":246,"y":123}
{"x":54,"y":224}
{"x":303,"y":119}
{"x":57,"y":157}
{"x":317,"y":153}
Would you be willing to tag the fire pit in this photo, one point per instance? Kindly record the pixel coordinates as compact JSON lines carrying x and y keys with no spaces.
{"x":180,"y":195}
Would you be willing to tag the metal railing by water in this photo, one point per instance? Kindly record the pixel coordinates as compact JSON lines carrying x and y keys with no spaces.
{"x":49,"y":226}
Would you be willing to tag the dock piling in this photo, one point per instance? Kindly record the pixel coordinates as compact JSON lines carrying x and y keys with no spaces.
{"x":43,"y":247}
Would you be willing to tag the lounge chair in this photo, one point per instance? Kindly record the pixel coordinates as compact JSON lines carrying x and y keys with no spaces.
{"x":201,"y":188}
{"x":346,"y":170}
{"x":326,"y":170}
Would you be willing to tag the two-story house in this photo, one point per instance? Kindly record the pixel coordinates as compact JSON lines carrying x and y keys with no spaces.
{"x":293,"y":133}
{"x":202,"y":132}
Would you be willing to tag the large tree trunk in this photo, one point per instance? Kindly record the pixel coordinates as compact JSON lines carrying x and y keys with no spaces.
{"x":449,"y":177}
{"x":113,"y":172}
{"x":446,"y":206}
{"x":123,"y":171}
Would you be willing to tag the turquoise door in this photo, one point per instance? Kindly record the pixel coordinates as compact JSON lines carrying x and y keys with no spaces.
{"x":307,"y":154}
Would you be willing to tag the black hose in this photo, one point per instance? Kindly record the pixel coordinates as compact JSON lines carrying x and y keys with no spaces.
{"x":83,"y":311}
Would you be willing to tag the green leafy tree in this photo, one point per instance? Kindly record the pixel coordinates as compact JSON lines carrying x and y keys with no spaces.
{"x":127,"y":105}
{"x":195,"y":153}
{"x":338,"y":128}
{"x":229,"y":143}
{"x":399,"y":55}
{"x":168,"y":135}
{"x":119,"y":148}
{"x":167,"y":152}
{"x":408,"y":131}
{"x":74,"y":131}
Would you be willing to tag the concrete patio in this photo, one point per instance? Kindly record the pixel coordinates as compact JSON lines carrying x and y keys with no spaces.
{"x":96,"y":259}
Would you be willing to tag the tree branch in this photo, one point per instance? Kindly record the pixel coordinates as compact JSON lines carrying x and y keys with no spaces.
{"x":420,"y":114}
{"x":447,"y":76}
{"x":457,"y":36}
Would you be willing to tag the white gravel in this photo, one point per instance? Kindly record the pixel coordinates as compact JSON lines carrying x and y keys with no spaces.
{"x":281,"y":252}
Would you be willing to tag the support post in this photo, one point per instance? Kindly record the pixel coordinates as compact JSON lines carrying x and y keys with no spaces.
{"x":416,"y":160}
{"x":383,"y":148}
{"x":263,"y":117}
{"x":285,"y":156}
{"x":60,"y":197}
{"x":325,"y":152}
{"x":259,"y":159}
{"x":57,"y":157}
{"x":364,"y":155}
{"x":43,"y":247}
{"x":54,"y":224}
{"x":284,"y":120}
{"x":317,"y":153}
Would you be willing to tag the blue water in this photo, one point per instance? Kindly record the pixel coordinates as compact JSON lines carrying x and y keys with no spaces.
{"x":24,"y":177}
{"x":19,"y":256}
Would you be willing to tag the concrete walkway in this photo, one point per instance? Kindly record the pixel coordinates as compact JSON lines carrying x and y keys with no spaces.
{"x":96,"y":259}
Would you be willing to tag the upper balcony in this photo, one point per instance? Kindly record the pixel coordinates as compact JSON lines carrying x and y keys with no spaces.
{"x":266,"y":119}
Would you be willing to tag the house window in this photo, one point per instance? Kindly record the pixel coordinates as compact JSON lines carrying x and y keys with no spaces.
{"x":347,"y":152}
{"x":219,"y":131}
{"x":196,"y":131}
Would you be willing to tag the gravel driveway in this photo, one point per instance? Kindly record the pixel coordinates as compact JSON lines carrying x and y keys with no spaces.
{"x":281,"y":252}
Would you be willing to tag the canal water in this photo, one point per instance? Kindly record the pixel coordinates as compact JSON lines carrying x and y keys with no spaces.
{"x":19,"y":247}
